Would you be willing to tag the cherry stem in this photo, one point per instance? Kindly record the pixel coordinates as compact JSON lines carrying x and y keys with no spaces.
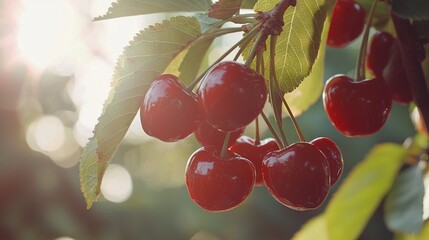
{"x":360,"y":65}
{"x":244,"y":46}
{"x":274,"y":90}
{"x":270,"y":126}
{"x":225,"y":145}
{"x":254,"y":50}
{"x":245,"y":38}
{"x":295,"y":123}
{"x":408,"y":46}
{"x":257,"y":135}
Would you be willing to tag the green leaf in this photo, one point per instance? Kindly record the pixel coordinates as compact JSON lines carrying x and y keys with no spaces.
{"x":313,"y":229}
{"x":412,"y":9}
{"x":147,"y":56}
{"x":298,"y":45}
{"x":224,"y":9}
{"x":309,"y":91}
{"x":124,"y":8}
{"x":249,"y":4}
{"x":358,"y":197}
{"x":206,"y":22}
{"x":422,"y":235}
{"x":404,"y":203}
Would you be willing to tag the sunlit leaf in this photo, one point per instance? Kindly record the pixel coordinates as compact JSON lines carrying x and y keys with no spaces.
{"x":123,"y":8}
{"x":358,"y":197}
{"x":224,"y":9}
{"x":147,"y":56}
{"x":313,"y":229}
{"x":403,"y":209}
{"x":298,"y":45}
{"x":412,"y":9}
{"x":422,"y":235}
{"x":309,"y":91}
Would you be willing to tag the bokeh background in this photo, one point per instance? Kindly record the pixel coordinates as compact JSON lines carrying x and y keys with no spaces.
{"x":55,"y":71}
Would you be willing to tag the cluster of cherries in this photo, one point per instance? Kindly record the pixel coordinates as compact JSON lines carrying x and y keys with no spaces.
{"x":221,"y":174}
{"x":361,"y":107}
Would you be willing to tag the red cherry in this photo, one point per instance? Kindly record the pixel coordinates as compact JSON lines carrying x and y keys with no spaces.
{"x":348,"y":20}
{"x":395,"y":77}
{"x":231,"y":95}
{"x":247,"y":148}
{"x":169,"y":112}
{"x":207,"y":135}
{"x":217,"y":184}
{"x":297,"y":176}
{"x":356,"y":108}
{"x":378,"y":52}
{"x":333,"y":155}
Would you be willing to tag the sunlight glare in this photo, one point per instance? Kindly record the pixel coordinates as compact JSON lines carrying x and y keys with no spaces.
{"x":117,"y":185}
{"x":47,"y":32}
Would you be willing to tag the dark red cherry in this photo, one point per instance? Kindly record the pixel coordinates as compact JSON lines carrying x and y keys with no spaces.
{"x":297,"y":176}
{"x":217,"y":184}
{"x":333,"y":155}
{"x":231,"y":96}
{"x":395,"y":77}
{"x":169,"y":112}
{"x":378,"y":52}
{"x":247,"y":148}
{"x":347,"y":23}
{"x":356,"y":108}
{"x":207,"y":135}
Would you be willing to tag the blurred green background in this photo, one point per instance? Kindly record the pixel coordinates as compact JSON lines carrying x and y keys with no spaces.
{"x":55,"y":68}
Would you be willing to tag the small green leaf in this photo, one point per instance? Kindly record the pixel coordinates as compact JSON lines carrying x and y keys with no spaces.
{"x":298,"y":45}
{"x":313,"y":229}
{"x":422,"y":235}
{"x":358,"y":197}
{"x":412,"y":9}
{"x":309,"y":91}
{"x":147,"y":56}
{"x":224,"y":9}
{"x":124,"y":8}
{"x":404,"y":203}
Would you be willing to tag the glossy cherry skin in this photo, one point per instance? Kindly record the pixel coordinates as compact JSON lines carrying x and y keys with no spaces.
{"x":207,"y":135}
{"x":395,"y":77}
{"x":231,"y":95}
{"x":356,"y":108}
{"x":217,"y":184}
{"x":168,"y":111}
{"x":333,"y":156}
{"x":378,"y":52}
{"x":247,"y":148}
{"x":297,"y":176}
{"x":347,"y":23}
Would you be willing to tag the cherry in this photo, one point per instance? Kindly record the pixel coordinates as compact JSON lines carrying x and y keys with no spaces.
{"x":297,"y":176}
{"x":333,"y":155}
{"x":378,"y":52}
{"x":217,"y":184}
{"x":207,"y":135}
{"x":169,"y":112}
{"x":231,"y":95}
{"x":395,"y":77}
{"x":356,"y":108}
{"x":348,"y":20}
{"x":255,"y":152}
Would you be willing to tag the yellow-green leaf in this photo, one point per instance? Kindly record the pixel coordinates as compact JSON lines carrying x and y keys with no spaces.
{"x":313,"y":229}
{"x":298,"y":45}
{"x":124,"y":8}
{"x":147,"y":56}
{"x":309,"y":91}
{"x":358,"y":197}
